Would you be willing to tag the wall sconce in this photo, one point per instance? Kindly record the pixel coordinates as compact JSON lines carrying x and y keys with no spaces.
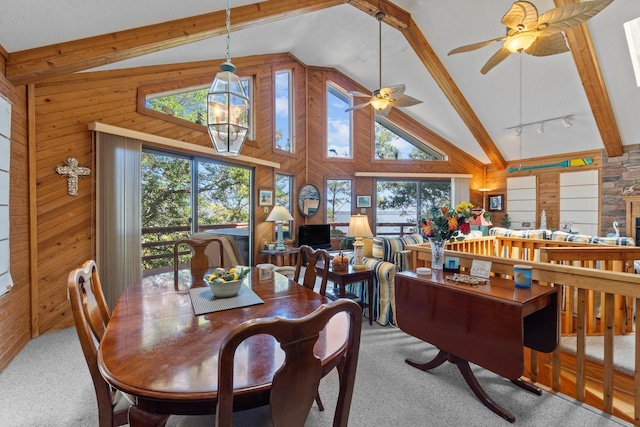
{"x":541,"y":128}
{"x":567,"y":124}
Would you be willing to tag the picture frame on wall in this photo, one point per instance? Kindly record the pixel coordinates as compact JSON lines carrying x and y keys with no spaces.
{"x":363,"y":201}
{"x":496,"y":202}
{"x":265,"y":198}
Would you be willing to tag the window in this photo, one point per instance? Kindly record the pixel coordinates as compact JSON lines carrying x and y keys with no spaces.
{"x":339,"y":133}
{"x":394,"y":143}
{"x":283,"y":112}
{"x":183,"y":195}
{"x":632,"y":30}
{"x":338,"y":206}
{"x":401,"y":204}
{"x":190,"y":104}
{"x":521,"y":202}
{"x":284,"y":197}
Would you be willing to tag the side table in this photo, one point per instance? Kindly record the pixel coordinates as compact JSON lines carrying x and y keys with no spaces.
{"x":343,"y":278}
{"x":287,"y":256}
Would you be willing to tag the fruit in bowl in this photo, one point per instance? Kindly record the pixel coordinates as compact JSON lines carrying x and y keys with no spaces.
{"x":226,"y":283}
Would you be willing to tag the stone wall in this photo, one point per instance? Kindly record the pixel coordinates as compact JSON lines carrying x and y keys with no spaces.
{"x":618,"y":174}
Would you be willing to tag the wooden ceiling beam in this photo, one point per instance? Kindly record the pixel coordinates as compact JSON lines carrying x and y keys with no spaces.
{"x":38,"y":64}
{"x":586,"y":60}
{"x":402,"y":21}
{"x":432,"y":63}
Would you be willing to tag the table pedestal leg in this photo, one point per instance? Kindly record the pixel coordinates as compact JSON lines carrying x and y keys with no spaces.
{"x":472,"y":382}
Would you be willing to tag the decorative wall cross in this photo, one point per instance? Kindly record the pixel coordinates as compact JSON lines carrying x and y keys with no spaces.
{"x":72,"y":171}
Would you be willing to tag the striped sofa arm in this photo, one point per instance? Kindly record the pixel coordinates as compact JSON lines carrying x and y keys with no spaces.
{"x":384,"y":306}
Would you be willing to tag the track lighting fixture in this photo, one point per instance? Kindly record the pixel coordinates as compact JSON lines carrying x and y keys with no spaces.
{"x":540,"y":124}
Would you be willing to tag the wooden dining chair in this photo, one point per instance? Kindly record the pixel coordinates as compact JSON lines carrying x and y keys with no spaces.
{"x":200,"y":261}
{"x":91,"y":316}
{"x":294,"y":386}
{"x":309,"y":258}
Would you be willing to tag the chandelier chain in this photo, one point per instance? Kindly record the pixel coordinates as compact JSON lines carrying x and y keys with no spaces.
{"x":520,"y":112}
{"x":228,"y":24}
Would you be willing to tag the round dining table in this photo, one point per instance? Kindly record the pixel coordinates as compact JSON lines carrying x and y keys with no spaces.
{"x":159,"y":351}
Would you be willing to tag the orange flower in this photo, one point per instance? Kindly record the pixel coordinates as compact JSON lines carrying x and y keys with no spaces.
{"x":453,"y":223}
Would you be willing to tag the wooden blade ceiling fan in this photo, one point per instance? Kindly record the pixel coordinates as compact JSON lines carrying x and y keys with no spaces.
{"x":386,"y":97}
{"x":536,"y":35}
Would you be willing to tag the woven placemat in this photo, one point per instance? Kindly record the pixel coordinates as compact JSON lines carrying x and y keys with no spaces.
{"x":203,"y":301}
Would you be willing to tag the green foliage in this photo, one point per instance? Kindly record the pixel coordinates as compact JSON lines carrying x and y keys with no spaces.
{"x":223,"y":198}
{"x":506,"y":221}
{"x":338,"y":195}
{"x":402,"y":196}
{"x":189,"y":106}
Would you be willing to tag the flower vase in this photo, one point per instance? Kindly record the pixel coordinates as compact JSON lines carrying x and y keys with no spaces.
{"x":437,"y":253}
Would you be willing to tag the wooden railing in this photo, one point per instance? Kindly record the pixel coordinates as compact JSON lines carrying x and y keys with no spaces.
{"x":165,"y":247}
{"x":605,"y":385}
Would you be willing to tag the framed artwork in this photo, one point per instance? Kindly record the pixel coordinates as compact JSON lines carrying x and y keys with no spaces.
{"x":265,"y":198}
{"x":363,"y":201}
{"x":496,"y":202}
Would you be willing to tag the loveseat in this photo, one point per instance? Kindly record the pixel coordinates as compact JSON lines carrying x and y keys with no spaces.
{"x":385,"y":256}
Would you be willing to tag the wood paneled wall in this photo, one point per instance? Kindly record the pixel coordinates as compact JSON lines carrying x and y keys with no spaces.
{"x":548,"y":182}
{"x":64,"y":106}
{"x":15,"y":313}
{"x":63,"y":226}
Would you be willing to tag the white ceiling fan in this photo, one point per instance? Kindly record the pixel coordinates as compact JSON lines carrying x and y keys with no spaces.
{"x":536,"y":35}
{"x":386,"y":97}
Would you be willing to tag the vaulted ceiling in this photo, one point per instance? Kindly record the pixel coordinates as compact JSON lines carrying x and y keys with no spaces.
{"x":594,"y":82}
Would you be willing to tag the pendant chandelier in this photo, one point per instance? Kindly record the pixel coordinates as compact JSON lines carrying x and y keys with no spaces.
{"x":227,"y":106}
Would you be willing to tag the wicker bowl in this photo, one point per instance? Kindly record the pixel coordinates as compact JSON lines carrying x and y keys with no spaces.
{"x":340,"y":266}
{"x":225,"y":289}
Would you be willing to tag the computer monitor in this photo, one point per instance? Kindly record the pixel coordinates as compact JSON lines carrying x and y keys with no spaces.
{"x":318,"y":236}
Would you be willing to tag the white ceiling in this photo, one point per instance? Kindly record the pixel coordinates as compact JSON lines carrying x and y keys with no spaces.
{"x":347,"y":39}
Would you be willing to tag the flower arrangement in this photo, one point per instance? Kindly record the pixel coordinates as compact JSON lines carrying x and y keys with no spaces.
{"x":231,"y":275}
{"x":443,"y":223}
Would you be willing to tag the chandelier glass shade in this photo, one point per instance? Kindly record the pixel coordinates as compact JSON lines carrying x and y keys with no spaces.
{"x":227,"y":112}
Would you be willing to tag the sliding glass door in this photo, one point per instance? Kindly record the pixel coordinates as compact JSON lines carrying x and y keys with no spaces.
{"x":183,"y":195}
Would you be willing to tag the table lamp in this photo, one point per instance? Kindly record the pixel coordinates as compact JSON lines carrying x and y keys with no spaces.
{"x":359,"y":228}
{"x":279,"y":214}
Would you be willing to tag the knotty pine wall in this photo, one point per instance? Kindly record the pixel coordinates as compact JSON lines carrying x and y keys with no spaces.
{"x":548,"y":183}
{"x":63,"y":226}
{"x":15,"y":312}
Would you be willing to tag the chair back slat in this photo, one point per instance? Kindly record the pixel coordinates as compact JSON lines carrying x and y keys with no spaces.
{"x":309,"y":258}
{"x":200,"y":262}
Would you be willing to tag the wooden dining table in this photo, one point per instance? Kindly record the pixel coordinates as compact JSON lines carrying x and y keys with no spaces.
{"x":159,"y":351}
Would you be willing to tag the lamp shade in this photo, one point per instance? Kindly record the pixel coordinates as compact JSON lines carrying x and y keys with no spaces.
{"x":279,"y":213}
{"x":359,"y":226}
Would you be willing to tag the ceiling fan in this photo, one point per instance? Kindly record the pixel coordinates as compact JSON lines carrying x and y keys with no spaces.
{"x":536,"y":35}
{"x":386,"y":97}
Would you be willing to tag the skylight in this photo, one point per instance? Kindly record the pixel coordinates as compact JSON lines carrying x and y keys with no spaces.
{"x":632,"y":29}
